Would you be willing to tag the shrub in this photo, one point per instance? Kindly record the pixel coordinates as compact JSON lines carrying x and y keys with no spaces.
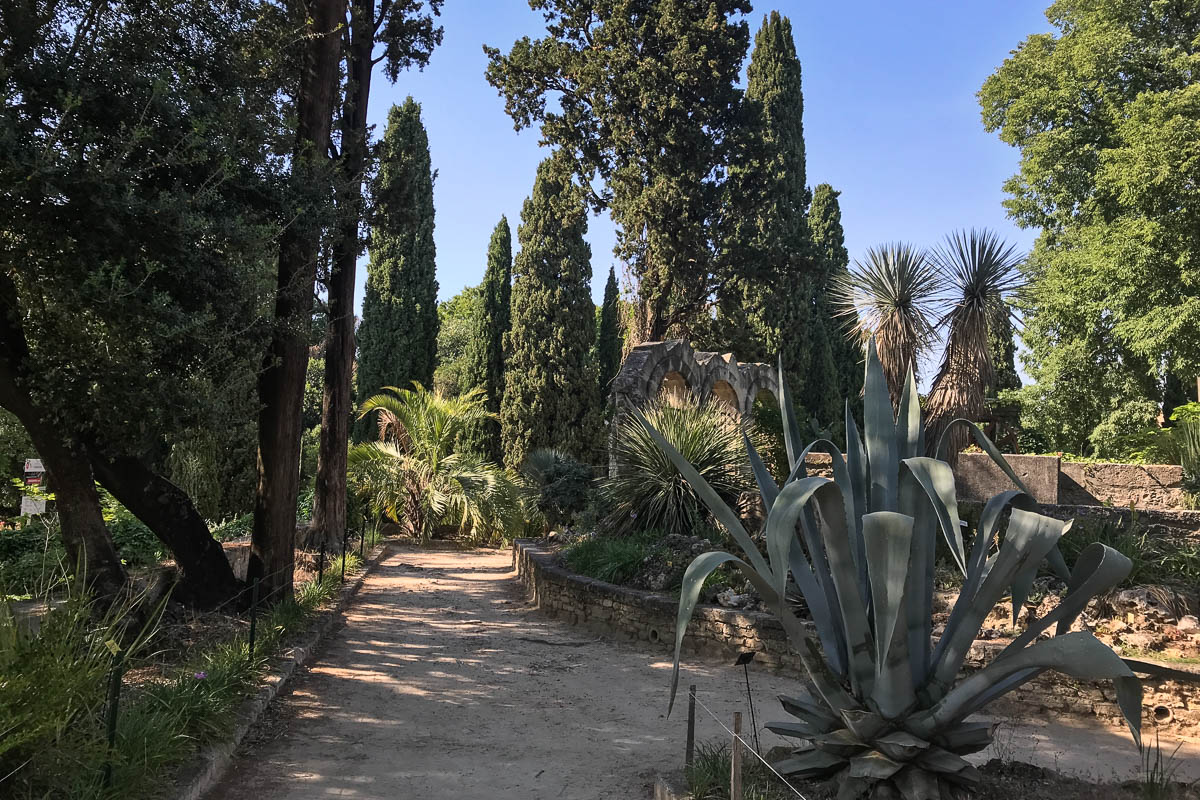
{"x":1127,"y":432}
{"x":558,"y":487}
{"x":649,"y":492}
{"x":615,"y":559}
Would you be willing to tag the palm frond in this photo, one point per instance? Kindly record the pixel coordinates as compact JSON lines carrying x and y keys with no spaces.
{"x":891,"y":293}
{"x":981,"y":270}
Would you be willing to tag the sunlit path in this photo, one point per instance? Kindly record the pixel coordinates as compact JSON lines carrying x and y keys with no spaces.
{"x":444,"y":684}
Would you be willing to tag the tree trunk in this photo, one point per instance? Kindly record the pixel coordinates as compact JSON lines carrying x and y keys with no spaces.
{"x":281,"y":382}
{"x":206,"y":579}
{"x":329,"y":499}
{"x":93,"y":558}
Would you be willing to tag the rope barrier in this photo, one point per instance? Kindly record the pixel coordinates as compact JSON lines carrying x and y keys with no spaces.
{"x":717,"y":720}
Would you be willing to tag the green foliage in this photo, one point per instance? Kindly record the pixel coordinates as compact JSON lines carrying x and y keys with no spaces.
{"x":489,"y":329}
{"x":615,"y":559}
{"x":648,"y":492}
{"x":622,"y":91}
{"x":53,"y":695}
{"x":1155,"y":559}
{"x":397,"y":339}
{"x":456,"y":329}
{"x":559,"y":487}
{"x":1127,"y":432}
{"x":1105,"y":112}
{"x":15,"y":447}
{"x":609,"y":337}
{"x":773,"y":274}
{"x":883,"y":693}
{"x":708,"y":776}
{"x":549,"y":381}
{"x":413,"y":475}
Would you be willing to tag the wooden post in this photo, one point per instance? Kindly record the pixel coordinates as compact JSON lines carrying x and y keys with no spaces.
{"x":691,"y":727}
{"x":735,"y":770}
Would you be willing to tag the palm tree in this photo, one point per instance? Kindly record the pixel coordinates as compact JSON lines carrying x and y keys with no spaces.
{"x":891,"y":295}
{"x":413,"y":475}
{"x":981,"y":269}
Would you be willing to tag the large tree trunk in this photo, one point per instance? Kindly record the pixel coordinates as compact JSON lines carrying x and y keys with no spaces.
{"x":89,"y":544}
{"x":329,"y":499}
{"x":281,"y":382}
{"x":206,"y":579}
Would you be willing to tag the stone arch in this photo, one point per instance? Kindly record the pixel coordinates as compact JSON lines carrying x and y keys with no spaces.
{"x":652,"y":364}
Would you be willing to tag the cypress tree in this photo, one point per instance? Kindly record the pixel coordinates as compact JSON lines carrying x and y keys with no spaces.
{"x":549,"y":381}
{"x":829,"y":250}
{"x":397,"y":340}
{"x":608,"y":337}
{"x":1003,"y":348}
{"x":767,"y":248}
{"x":485,"y":357}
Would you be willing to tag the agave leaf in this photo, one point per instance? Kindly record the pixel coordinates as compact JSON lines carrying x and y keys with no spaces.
{"x":873,"y":766}
{"x":967,"y":737}
{"x":810,"y":764}
{"x":910,"y":429}
{"x":791,"y":428}
{"x":889,"y":544}
{"x":689,"y":594}
{"x":1023,"y":580}
{"x":888,"y":537}
{"x":766,"y":484}
{"x":820,"y":607}
{"x":1098,"y":569}
{"x":1080,"y":655}
{"x":866,"y":725}
{"x":949,"y":765}
{"x":1030,"y":537}
{"x":855,"y":624}
{"x":901,"y":745}
{"x":723,"y":513}
{"x":840,"y":742}
{"x":803,"y":729}
{"x":856,"y":466}
{"x":937,"y":479}
{"x":919,"y":595}
{"x":813,"y":713}
{"x":880,"y":424}
{"x":915,"y":783}
{"x":1055,"y":557}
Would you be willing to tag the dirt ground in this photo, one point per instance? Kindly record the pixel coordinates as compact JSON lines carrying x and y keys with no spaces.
{"x":444,"y":684}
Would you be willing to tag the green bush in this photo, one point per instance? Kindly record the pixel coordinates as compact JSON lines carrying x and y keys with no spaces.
{"x":558,"y":487}
{"x":615,"y":559}
{"x":1127,"y":432}
{"x":648,"y":492}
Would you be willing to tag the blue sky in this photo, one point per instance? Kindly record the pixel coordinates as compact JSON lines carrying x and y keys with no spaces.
{"x":890,"y":117}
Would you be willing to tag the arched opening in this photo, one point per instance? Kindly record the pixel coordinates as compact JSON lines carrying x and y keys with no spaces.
{"x":673,"y":383}
{"x":724,"y":392}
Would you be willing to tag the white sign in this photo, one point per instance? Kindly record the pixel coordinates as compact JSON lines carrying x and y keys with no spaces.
{"x":34,"y":465}
{"x":29,"y":506}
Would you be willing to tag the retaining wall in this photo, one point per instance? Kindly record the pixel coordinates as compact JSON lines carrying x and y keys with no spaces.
{"x":717,"y":633}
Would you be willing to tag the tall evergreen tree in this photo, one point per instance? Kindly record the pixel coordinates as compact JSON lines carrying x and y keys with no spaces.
{"x":397,"y":339}
{"x":766,"y":244}
{"x":829,"y":251}
{"x":549,"y":394}
{"x":608,"y":337}
{"x":1003,"y":346}
{"x":485,"y":365}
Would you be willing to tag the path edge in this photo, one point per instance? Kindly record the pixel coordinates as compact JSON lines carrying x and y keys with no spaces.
{"x":203,"y":772}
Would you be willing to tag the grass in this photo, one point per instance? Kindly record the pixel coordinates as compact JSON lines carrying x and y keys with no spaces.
{"x":1156,"y":560}
{"x":1158,"y":773}
{"x":708,"y":776}
{"x":53,"y":695}
{"x":615,"y":559}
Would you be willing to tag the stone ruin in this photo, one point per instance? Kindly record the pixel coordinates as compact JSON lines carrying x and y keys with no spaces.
{"x":652,"y":367}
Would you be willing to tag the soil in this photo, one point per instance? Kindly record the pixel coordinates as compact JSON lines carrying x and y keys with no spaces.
{"x":443,"y":683}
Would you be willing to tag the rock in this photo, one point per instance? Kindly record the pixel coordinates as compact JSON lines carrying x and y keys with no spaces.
{"x":1188,"y":624}
{"x":731,"y":599}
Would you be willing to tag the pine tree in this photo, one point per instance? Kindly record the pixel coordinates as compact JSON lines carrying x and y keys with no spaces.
{"x":608,"y":338}
{"x":549,"y":382}
{"x":766,"y":244}
{"x":485,"y":357}
{"x":829,"y":250}
{"x":397,"y":339}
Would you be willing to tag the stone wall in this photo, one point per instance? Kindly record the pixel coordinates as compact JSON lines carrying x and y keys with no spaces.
{"x":720,"y":634}
{"x":1053,"y":481}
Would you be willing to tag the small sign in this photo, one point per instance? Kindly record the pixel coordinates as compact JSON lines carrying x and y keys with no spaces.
{"x":31,"y":507}
{"x":34,"y":465}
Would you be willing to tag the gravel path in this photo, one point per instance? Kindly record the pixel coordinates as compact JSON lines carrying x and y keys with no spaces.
{"x":444,"y":684}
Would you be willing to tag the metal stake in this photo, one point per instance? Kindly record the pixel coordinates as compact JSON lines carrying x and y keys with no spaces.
{"x":345,"y":533}
{"x":253,"y":617}
{"x":114,"y":700}
{"x":744,"y":660}
{"x":735,"y":769}
{"x":690,"y":756}
{"x":321,"y":564}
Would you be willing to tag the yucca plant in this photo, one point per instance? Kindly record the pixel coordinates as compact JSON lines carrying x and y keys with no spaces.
{"x":886,"y":712}
{"x":890,"y":295}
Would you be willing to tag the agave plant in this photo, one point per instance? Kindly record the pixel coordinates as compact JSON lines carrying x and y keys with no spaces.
{"x":886,"y":711}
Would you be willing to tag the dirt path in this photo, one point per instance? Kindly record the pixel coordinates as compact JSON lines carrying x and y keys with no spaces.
{"x":444,"y":684}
